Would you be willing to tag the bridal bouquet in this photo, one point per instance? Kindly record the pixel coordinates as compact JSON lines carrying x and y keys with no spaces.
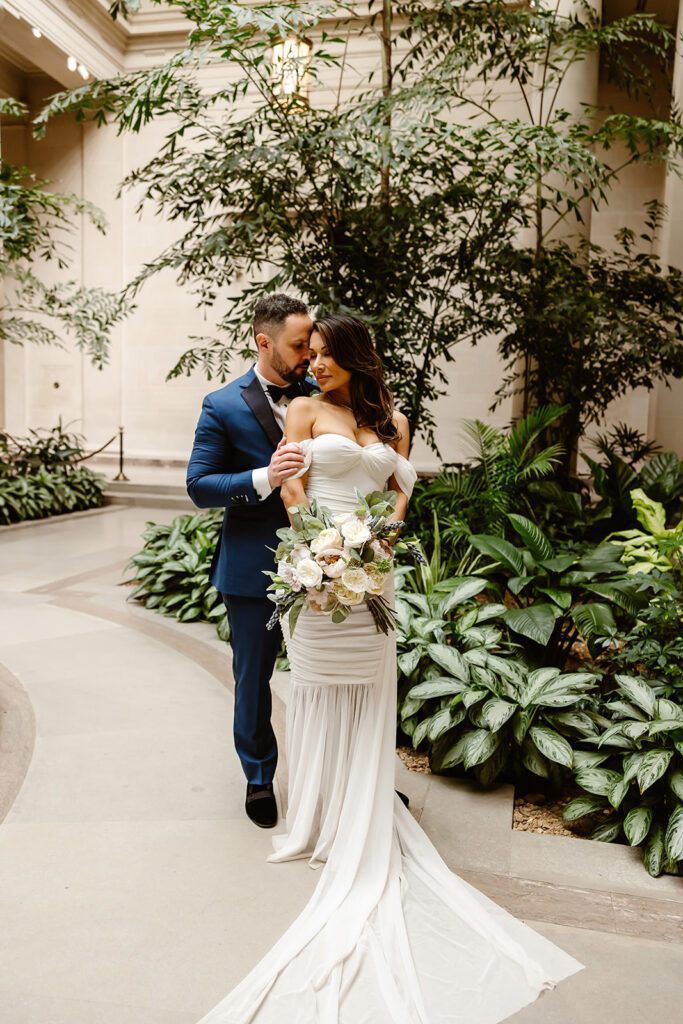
{"x":332,"y":562}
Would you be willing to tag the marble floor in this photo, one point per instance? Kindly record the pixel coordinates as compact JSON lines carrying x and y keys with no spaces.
{"x":133,"y":890}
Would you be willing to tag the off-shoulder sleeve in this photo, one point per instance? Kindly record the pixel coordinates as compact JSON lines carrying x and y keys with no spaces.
{"x":307,"y":448}
{"x":405,"y":474}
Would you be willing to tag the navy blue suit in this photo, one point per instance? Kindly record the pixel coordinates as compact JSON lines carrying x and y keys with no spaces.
{"x":237,"y":433}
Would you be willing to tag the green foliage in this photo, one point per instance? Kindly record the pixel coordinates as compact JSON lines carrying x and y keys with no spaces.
{"x":49,"y":492}
{"x":589,"y":324}
{"x":555,"y":598}
{"x":57,"y":448}
{"x":639,"y":772}
{"x":171,"y":572}
{"x":655,"y":546}
{"x":35,"y":225}
{"x":477,"y":497}
{"x":393,"y":205}
{"x":41,"y":475}
{"x":470,"y":699}
{"x":577,"y":319}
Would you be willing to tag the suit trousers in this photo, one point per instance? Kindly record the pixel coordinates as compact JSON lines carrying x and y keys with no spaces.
{"x":254,"y":651}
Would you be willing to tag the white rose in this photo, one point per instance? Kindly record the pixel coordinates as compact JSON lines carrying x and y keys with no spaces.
{"x":299,"y":551}
{"x":346,"y":596}
{"x":286,"y":571}
{"x":321,"y":599}
{"x":329,"y":538}
{"x":355,"y":532}
{"x":356,"y":580}
{"x":308,"y":573}
{"x":381,"y":549}
{"x":332,"y":561}
{"x":376,"y":579}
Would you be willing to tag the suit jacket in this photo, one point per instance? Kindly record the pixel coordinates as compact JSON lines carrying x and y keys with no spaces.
{"x":236,"y":433}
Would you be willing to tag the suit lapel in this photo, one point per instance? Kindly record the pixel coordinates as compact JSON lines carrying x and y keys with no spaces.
{"x":255,"y":397}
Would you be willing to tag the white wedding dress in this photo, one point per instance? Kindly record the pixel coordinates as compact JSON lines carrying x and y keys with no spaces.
{"x":390,"y":935}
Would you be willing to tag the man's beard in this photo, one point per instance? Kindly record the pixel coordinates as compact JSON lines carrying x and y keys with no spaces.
{"x":292,"y":376}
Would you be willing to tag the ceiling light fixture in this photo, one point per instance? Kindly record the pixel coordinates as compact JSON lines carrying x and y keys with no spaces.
{"x":83,"y":71}
{"x":37,"y":33}
{"x":71,"y":63}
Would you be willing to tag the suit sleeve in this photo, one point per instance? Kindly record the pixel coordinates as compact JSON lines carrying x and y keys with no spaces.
{"x":210,"y":483}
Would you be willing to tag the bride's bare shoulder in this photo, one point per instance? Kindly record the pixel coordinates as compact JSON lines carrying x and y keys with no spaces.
{"x":402,"y":444}
{"x":301,"y":413}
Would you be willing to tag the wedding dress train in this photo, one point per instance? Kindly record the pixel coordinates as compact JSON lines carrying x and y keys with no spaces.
{"x":390,"y":935}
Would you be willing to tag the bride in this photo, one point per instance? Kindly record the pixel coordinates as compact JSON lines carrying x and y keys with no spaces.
{"x":390,"y":935}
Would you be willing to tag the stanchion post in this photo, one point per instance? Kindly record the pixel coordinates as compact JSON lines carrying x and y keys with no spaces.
{"x":121,"y":475}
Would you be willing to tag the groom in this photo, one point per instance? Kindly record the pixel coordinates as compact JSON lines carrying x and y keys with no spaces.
{"x":238,"y":461}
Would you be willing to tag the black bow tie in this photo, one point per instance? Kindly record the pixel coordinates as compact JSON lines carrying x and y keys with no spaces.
{"x":291,"y":391}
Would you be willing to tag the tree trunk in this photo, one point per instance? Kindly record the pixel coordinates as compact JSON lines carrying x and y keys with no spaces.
{"x":387,"y":73}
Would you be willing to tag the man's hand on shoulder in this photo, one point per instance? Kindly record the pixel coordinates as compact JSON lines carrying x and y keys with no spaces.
{"x":286,"y":461}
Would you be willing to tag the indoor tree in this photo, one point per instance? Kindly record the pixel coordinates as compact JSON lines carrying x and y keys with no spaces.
{"x":400,"y":202}
{"x":35,"y":225}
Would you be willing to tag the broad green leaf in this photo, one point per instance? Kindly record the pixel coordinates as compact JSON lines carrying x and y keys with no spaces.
{"x":673,"y":841}
{"x":662,"y":726}
{"x":559,"y":564}
{"x":552,"y":745}
{"x":535,"y":683}
{"x":442,"y":721}
{"x":589,"y":759}
{"x":623,"y":596}
{"x":409,"y":661}
{"x":565,"y":689}
{"x":597,"y":780}
{"x":607,"y":831}
{"x":536,"y":621}
{"x":463,"y":592}
{"x":473,"y":696}
{"x":496,"y":713}
{"x":504,"y":552}
{"x":563,"y":598}
{"x":577,"y":720}
{"x":617,"y":792}
{"x":490,"y":769}
{"x":489,"y":611}
{"x":449,"y":659}
{"x":581,"y":805}
{"x":534,"y":538}
{"x":480,"y":745}
{"x":467,"y":620}
{"x":456,"y":753}
{"x":534,"y":760}
{"x":652,"y":766}
{"x":520,"y":724}
{"x":668,"y":709}
{"x":442,"y":686}
{"x":651,"y":514}
{"x":676,"y":783}
{"x":638,"y":691}
{"x":420,"y":732}
{"x":653,"y":851}
{"x":593,"y":619}
{"x":637,"y":824}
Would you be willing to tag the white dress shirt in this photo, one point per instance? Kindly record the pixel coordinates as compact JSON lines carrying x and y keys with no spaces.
{"x":259,"y":477}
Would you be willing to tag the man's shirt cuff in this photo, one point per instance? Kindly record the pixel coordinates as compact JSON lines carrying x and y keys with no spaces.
{"x":259,"y":479}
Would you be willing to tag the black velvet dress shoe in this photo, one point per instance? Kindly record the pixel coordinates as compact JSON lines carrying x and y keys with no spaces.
{"x":402,"y":797}
{"x":260,"y":804}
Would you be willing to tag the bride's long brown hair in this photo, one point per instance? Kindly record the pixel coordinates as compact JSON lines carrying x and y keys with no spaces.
{"x":349,"y":343}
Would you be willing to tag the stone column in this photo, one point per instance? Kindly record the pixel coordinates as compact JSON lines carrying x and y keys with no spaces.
{"x":665,"y":420}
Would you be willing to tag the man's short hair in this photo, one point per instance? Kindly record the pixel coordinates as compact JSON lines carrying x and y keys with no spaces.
{"x":272,"y":310}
